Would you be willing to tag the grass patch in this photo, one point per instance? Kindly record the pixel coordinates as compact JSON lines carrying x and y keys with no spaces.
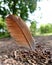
{"x":44,"y":34}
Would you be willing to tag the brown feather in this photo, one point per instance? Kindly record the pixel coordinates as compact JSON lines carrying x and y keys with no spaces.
{"x":19,"y":31}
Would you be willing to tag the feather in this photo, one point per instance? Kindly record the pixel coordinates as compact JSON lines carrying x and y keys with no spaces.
{"x":19,"y":31}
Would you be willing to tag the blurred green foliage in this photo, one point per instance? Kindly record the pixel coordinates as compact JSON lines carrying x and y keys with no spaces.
{"x":46,"y":28}
{"x":17,"y":7}
{"x":43,"y":30}
{"x":3,"y":29}
{"x":33,"y":27}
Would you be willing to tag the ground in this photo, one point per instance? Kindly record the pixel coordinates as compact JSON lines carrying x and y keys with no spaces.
{"x":43,"y":43}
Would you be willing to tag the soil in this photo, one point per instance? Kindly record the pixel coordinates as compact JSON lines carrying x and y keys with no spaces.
{"x":11,"y":54}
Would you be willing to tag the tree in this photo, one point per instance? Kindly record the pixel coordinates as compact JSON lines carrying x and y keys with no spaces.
{"x":17,"y":7}
{"x":46,"y":28}
{"x":33,"y":27}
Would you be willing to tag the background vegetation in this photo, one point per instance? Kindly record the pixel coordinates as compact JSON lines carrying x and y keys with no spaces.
{"x":33,"y":27}
{"x":17,"y":7}
{"x":43,"y":30}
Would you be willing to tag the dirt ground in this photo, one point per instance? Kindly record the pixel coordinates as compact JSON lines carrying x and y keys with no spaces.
{"x":7,"y":45}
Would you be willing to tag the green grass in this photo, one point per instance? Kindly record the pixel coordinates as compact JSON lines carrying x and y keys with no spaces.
{"x":44,"y":34}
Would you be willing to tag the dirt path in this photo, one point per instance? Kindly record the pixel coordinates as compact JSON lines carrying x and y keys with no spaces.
{"x":9,"y":43}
